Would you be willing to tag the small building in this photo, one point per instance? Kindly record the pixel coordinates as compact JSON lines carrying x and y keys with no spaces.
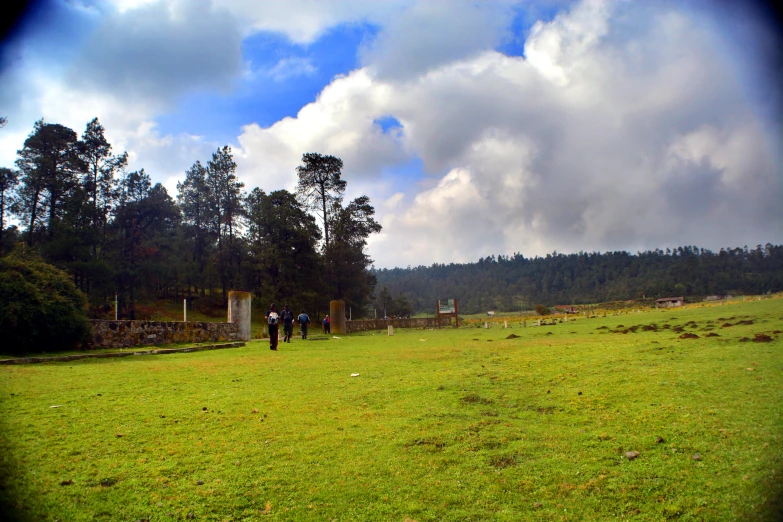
{"x":669,"y":302}
{"x":567,"y":309}
{"x":491,"y":312}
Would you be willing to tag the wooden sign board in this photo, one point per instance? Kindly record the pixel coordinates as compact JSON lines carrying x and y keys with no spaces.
{"x":447,"y":309}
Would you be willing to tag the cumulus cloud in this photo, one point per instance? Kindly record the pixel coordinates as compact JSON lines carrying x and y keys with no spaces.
{"x":303,"y":21}
{"x":621,"y":128}
{"x":157,"y":51}
{"x":340,"y":122}
{"x":433,"y":32}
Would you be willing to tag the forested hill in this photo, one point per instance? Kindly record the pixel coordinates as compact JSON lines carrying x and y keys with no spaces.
{"x":507,"y":282}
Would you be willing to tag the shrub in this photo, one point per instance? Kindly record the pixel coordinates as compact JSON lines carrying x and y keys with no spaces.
{"x":542,"y":310}
{"x":40,"y":307}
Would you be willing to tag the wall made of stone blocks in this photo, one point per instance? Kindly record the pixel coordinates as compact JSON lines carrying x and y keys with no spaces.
{"x":381,"y":324}
{"x":119,"y":334}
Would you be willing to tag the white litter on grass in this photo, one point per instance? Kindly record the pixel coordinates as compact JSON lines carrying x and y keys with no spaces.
{"x":335,"y":337}
{"x":354,"y":375}
{"x":422,"y":339}
{"x":57,"y":406}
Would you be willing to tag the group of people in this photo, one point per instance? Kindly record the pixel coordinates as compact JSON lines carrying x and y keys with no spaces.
{"x":286,"y":317}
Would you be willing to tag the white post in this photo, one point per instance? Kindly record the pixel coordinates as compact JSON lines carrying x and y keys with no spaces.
{"x":486,"y":325}
{"x":505,"y":324}
{"x":116,"y":308}
{"x":391,"y":329}
{"x":185,"y":310}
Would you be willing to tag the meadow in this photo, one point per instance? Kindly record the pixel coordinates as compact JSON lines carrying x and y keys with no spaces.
{"x":452,"y":424}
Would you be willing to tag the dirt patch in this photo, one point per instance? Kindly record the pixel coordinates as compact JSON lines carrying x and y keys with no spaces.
{"x":436,"y":443}
{"x":650,"y":328}
{"x":762,"y":338}
{"x":513,"y":336}
{"x":712,"y":334}
{"x":689,"y":336}
{"x":549,"y":333}
{"x":744,"y":339}
{"x":475,"y":399}
{"x":726,"y":325}
{"x":503,"y":461}
{"x":602,"y":328}
{"x":747,"y":322}
{"x":678,"y":329}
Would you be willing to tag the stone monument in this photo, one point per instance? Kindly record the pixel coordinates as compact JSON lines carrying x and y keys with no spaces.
{"x":239,"y":313}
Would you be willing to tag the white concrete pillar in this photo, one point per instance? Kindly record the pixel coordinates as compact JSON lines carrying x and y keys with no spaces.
{"x":391,"y":329}
{"x":239,"y":313}
{"x":505,"y":324}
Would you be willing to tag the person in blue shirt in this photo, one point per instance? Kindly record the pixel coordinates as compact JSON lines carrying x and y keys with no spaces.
{"x":304,"y":321}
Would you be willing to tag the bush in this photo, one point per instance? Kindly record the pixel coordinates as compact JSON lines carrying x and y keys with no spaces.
{"x":40,"y":307}
{"x":542,"y":310}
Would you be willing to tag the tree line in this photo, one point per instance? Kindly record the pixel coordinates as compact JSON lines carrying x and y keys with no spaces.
{"x":509,"y":283}
{"x":72,"y":199}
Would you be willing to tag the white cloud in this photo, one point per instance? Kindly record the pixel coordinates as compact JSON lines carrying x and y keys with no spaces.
{"x":622,"y":129}
{"x":433,"y":32}
{"x":288,"y":67}
{"x":303,"y":21}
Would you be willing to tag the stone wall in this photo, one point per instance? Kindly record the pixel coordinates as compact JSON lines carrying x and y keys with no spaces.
{"x":381,"y":324}
{"x":118,"y":334}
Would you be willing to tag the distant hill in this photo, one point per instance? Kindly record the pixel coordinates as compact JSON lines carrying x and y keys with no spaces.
{"x":506,"y":283}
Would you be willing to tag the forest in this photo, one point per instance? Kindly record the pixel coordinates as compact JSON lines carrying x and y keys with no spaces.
{"x":73,"y":202}
{"x":509,"y":283}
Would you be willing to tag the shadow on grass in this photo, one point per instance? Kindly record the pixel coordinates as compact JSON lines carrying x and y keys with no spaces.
{"x":11,"y":510}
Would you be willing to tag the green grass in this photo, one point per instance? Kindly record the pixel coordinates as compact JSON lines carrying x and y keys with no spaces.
{"x":440,"y":425}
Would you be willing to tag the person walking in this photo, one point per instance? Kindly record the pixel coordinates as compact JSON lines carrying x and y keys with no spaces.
{"x":272,"y":320}
{"x":304,"y":321}
{"x":288,"y":324}
{"x":327,"y":325}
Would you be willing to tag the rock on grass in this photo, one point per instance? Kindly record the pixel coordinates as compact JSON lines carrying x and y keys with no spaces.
{"x":630,"y":455}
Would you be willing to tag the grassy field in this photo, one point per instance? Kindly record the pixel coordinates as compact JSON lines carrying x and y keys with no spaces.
{"x":439,"y":425}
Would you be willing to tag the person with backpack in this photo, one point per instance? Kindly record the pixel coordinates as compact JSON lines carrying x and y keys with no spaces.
{"x":304,"y":320}
{"x":272,"y":319}
{"x":288,"y":324}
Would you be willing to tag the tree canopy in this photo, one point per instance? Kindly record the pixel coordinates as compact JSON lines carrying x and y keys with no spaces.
{"x":118,"y":233}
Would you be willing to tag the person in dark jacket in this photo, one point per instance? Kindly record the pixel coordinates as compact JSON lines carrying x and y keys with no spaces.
{"x":288,"y":324}
{"x":272,"y":319}
{"x":304,"y":321}
{"x":327,"y":325}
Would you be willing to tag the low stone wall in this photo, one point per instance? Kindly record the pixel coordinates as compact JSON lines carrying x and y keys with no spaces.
{"x":381,"y":324}
{"x":119,"y":334}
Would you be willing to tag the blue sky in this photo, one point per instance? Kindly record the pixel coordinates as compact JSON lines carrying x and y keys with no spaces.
{"x":523,"y":126}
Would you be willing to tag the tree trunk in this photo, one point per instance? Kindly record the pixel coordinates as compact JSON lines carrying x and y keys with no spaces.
{"x":326,"y":225}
